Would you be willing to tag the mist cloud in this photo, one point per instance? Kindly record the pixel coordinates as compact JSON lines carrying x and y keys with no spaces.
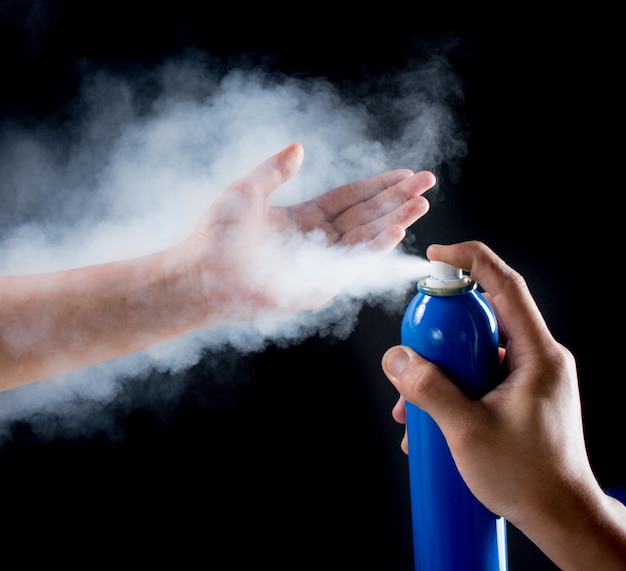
{"x":129,"y":172}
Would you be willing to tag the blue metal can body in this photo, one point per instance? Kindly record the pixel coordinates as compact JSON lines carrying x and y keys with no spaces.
{"x":452,"y":530}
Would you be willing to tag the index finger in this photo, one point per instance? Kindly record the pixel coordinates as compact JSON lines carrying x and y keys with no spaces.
{"x":511,"y":299}
{"x":379,"y":194}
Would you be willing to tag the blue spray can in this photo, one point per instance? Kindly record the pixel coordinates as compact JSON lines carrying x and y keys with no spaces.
{"x":451,"y":324}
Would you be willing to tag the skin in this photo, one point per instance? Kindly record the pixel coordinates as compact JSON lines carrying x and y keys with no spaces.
{"x":520,"y":448}
{"x":56,"y":322}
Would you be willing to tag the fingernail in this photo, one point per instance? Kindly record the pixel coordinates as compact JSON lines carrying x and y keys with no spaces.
{"x":396,"y":361}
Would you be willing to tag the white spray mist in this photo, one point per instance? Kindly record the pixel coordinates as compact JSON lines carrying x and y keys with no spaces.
{"x":122,"y":182}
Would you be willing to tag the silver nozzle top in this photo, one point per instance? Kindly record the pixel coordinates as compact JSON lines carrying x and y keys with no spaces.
{"x":445,"y":279}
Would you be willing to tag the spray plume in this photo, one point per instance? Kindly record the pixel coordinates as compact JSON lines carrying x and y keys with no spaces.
{"x":130,"y":173}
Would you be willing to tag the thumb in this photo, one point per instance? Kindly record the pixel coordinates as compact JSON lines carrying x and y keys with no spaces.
{"x":277,"y":169}
{"x":425,"y":385}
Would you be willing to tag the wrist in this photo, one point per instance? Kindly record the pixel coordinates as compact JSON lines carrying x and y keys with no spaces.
{"x":582,"y":529}
{"x":201,"y":290}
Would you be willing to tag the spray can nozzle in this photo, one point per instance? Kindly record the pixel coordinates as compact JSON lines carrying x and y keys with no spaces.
{"x":445,"y":279}
{"x":444,"y":271}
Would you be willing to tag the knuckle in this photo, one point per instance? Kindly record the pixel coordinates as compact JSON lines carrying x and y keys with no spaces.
{"x":423,"y":384}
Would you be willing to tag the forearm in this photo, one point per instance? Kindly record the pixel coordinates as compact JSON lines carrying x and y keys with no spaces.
{"x":589,"y":534}
{"x":56,"y":322}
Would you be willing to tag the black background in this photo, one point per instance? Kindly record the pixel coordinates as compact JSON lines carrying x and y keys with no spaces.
{"x":296,"y":463}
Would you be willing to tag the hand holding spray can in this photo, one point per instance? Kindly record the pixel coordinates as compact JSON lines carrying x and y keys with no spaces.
{"x":451,"y":324}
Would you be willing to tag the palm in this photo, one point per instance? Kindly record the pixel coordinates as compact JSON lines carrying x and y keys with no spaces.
{"x":255,"y":243}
